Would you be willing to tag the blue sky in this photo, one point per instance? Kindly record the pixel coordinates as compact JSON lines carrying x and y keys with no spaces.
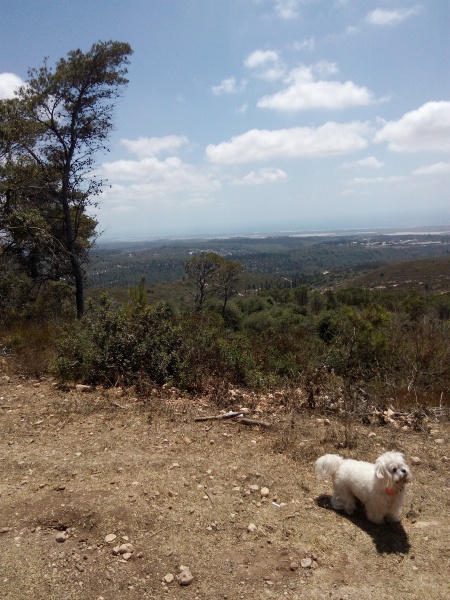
{"x":260,"y":115}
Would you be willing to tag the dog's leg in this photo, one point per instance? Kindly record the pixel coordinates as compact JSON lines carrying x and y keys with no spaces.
{"x":342,"y":499}
{"x":394,"y":514}
{"x":373,"y":513}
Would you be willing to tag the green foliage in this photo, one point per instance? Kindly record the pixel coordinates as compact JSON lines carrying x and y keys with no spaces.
{"x":49,"y":134}
{"x":111,"y":346}
{"x":337,"y":344}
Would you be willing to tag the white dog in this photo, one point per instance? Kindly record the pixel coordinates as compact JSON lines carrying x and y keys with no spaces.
{"x":380,"y":486}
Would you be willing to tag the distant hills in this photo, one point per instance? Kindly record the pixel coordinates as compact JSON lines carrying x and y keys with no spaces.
{"x":429,"y":274}
{"x":367,"y":259}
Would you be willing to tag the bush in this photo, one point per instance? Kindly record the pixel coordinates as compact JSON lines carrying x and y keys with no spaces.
{"x":118,"y":346}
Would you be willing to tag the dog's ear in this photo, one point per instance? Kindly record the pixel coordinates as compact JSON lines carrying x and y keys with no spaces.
{"x":381,"y":471}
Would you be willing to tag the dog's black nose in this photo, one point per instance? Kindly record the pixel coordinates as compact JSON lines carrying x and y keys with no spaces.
{"x":404,"y":471}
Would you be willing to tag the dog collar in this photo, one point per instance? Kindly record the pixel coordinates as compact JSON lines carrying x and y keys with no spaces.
{"x":390,"y":492}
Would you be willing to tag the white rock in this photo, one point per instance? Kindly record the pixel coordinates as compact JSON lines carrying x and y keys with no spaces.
{"x":264,"y":492}
{"x":61,"y":537}
{"x":306,"y":563}
{"x":83,"y":388}
{"x":252,"y":528}
{"x":169,"y":578}
{"x":415,"y":460}
{"x":110,"y":538}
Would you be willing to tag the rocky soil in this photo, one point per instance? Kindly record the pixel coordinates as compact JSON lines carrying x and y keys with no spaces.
{"x":106,"y":496}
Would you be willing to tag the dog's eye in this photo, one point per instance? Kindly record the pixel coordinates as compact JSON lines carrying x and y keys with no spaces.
{"x":394,"y":470}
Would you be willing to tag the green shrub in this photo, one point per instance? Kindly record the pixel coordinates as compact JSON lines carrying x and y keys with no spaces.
{"x":111,"y":346}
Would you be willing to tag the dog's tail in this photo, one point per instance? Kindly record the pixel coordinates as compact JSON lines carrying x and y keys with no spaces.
{"x":327,"y":465}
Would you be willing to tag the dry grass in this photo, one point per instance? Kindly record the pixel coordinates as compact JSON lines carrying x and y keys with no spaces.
{"x":108,"y":462}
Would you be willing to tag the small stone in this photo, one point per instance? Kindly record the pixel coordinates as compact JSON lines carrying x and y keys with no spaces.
{"x":415,"y":460}
{"x":61,"y":537}
{"x":439,"y":441}
{"x":306,"y":563}
{"x":169,"y":578}
{"x":254,"y":488}
{"x":252,"y":528}
{"x":83,"y":388}
{"x":372,"y":434}
{"x":185,"y":577}
{"x":264,"y":492}
{"x":110,"y":538}
{"x":127,"y":556}
{"x":293,"y":566}
{"x":126,"y":549}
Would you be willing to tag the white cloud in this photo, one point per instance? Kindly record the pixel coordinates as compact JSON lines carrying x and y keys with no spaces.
{"x":308,"y":44}
{"x":305,"y":92}
{"x":440,"y":168}
{"x":261,"y":176}
{"x":376,"y":180}
{"x":228,"y":86}
{"x":150,"y":181}
{"x":169,"y":173}
{"x":260,"y":58}
{"x":426,"y":129}
{"x":145,"y":146}
{"x":266,"y":63}
{"x":259,"y":144}
{"x":370,"y":162}
{"x":9,"y":84}
{"x":287,"y":9}
{"x":384,"y":17}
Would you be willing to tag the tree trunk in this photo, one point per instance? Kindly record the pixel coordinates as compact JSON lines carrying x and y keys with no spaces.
{"x":75,"y":263}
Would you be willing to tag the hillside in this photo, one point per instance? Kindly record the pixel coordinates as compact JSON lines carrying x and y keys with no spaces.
{"x":429,"y":274}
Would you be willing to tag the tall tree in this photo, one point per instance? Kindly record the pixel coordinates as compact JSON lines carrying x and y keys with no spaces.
{"x":54,"y":127}
{"x":227,"y":278}
{"x":208,"y":274}
{"x":201,"y":271}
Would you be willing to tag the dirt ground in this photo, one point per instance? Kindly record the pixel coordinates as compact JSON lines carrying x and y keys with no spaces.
{"x":84,"y":473}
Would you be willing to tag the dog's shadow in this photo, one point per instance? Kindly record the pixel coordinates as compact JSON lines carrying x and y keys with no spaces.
{"x":389,"y":538}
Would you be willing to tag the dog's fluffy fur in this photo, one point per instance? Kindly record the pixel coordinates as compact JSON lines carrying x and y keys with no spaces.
{"x":380,"y":486}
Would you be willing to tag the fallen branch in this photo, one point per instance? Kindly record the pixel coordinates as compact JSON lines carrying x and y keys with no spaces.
{"x":228,"y":415}
{"x":247,"y":421}
{"x":118,"y":405}
{"x":238,"y":417}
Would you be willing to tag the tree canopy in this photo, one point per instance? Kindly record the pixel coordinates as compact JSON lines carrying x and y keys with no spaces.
{"x":50,"y":134}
